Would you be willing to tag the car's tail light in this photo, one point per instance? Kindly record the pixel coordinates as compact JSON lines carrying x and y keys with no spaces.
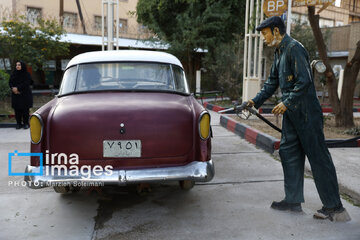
{"x":36,"y":128}
{"x":204,"y":125}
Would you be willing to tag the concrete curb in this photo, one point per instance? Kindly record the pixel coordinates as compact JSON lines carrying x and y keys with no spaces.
{"x":263,"y":110}
{"x":329,"y":110}
{"x":213,"y":107}
{"x":265,"y":141}
{"x":7,"y":125}
{"x":269,"y":143}
{"x":7,"y":115}
{"x":261,"y":140}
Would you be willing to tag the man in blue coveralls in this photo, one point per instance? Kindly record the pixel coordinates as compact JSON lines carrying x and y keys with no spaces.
{"x":302,"y":127}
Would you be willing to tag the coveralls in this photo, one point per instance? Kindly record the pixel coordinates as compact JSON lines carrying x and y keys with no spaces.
{"x":302,"y":126}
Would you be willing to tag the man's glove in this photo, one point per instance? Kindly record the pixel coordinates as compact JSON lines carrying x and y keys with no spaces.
{"x":250,"y":103}
{"x":279,"y":109}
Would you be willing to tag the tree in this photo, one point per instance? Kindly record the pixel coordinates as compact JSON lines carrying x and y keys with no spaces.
{"x":191,"y":25}
{"x":302,"y":32}
{"x":226,"y":67}
{"x":4,"y":85}
{"x":342,"y":108}
{"x":34,"y":44}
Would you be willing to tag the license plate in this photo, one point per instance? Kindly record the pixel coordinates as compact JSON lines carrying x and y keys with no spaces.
{"x":122,"y":148}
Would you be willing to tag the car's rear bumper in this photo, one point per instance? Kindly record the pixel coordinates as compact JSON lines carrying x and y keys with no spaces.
{"x":194,"y":171}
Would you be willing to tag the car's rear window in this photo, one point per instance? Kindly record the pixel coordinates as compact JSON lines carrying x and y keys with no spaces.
{"x":124,"y":76}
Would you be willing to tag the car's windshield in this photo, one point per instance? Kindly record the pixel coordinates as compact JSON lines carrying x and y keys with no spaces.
{"x":124,"y":76}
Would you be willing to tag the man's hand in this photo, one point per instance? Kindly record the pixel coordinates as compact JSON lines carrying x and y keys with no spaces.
{"x":250,"y":103}
{"x":279,"y":109}
{"x":15,"y":90}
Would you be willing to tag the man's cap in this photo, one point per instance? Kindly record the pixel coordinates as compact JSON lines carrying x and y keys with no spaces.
{"x":271,"y":22}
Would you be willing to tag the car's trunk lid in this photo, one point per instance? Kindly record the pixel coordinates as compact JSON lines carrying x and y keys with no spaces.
{"x":161,"y":122}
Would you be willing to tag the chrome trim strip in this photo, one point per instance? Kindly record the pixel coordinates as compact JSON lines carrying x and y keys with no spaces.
{"x":42,"y":128}
{"x":200,"y":117}
{"x":195,"y":171}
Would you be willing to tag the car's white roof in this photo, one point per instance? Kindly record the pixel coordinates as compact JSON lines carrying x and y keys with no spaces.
{"x":124,"y":55}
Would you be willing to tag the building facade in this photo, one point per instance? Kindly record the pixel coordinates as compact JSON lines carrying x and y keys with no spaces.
{"x":343,"y":22}
{"x":82,"y":20}
{"x":354,"y":9}
{"x":332,"y":16}
{"x":342,"y":48}
{"x":69,"y":13}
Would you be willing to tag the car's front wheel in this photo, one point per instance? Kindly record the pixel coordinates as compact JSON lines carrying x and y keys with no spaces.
{"x":62,"y":189}
{"x":186,"y":184}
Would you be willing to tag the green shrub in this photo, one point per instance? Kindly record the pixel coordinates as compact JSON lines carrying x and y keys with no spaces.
{"x":4,"y":85}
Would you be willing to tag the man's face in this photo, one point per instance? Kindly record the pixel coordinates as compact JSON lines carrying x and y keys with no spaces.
{"x":269,"y":38}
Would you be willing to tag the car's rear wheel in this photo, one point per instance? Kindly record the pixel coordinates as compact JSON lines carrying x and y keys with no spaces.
{"x":186,"y":184}
{"x":62,"y":189}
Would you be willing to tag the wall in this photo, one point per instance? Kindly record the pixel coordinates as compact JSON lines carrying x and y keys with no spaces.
{"x":354,"y":38}
{"x":338,"y":40}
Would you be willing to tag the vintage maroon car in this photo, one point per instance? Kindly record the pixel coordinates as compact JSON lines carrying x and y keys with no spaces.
{"x":121,"y":117}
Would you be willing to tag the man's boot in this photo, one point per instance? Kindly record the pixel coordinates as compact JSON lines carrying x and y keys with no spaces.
{"x":337,"y":214}
{"x":285,"y":206}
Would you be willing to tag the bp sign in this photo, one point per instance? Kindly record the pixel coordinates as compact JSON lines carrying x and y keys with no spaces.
{"x":275,"y":7}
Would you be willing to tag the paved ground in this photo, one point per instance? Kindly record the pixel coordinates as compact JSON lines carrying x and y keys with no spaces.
{"x":235,"y":205}
{"x":347,"y":162}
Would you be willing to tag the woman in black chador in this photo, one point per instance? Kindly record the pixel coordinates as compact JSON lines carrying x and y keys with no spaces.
{"x":21,"y":96}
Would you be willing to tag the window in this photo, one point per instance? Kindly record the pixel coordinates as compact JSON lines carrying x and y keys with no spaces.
{"x":69,"y":80}
{"x":124,"y":76}
{"x":338,"y":3}
{"x":326,"y":22}
{"x":64,"y":63}
{"x":70,"y":20}
{"x":299,"y":18}
{"x":123,"y":25}
{"x":98,"y":22}
{"x":5,"y":64}
{"x":32,"y":14}
{"x":339,"y":23}
{"x":180,"y":79}
{"x":49,"y":65}
{"x":142,"y":29}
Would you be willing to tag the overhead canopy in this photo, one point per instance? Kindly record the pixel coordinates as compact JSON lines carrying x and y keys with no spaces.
{"x":123,"y":42}
{"x":338,"y":54}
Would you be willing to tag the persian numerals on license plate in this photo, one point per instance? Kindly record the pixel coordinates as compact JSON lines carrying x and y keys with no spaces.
{"x":122,"y":148}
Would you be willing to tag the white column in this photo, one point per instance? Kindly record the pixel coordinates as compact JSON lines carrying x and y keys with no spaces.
{"x":102,"y":25}
{"x":288,"y":18}
{"x":253,"y":46}
{"x":117,"y":24}
{"x":110,"y":25}
{"x":198,"y":81}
